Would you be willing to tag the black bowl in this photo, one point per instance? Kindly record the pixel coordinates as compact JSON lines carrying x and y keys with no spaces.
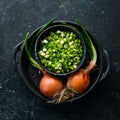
{"x":46,"y":33}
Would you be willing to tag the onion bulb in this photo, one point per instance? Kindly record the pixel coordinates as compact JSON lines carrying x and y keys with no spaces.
{"x":49,"y":85}
{"x":79,"y":82}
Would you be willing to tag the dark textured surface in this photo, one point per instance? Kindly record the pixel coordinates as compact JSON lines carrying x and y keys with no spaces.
{"x":101,"y":18}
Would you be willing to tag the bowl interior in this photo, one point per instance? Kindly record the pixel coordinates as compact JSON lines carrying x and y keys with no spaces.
{"x":54,"y":28}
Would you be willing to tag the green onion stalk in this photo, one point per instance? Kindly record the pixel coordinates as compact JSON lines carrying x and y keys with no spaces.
{"x":91,"y":49}
{"x":79,"y":82}
{"x":48,"y":85}
{"x":29,"y":50}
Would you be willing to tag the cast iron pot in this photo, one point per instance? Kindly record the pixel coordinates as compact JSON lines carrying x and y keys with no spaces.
{"x":32,"y":77}
{"x":54,"y":28}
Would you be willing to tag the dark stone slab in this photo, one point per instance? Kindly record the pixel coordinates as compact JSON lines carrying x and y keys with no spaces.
{"x":101,"y":18}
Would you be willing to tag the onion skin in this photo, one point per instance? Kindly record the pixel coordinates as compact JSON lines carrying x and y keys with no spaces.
{"x":49,"y":85}
{"x":79,"y":82}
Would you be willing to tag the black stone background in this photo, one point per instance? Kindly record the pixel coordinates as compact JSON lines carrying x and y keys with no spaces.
{"x":100,"y":17}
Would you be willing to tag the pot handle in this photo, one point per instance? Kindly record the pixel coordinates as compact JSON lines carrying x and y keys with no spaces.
{"x":16,"y":51}
{"x":107,"y":66}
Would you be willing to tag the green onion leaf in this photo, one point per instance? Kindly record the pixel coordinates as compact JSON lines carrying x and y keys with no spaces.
{"x":89,"y":43}
{"x":29,"y":49}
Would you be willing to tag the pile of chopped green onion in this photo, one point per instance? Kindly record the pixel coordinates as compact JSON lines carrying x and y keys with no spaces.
{"x":61,"y":51}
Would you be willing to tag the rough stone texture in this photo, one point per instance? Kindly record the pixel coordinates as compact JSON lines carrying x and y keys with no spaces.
{"x":101,"y":18}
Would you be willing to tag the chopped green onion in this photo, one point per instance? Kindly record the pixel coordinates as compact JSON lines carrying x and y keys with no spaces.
{"x":61,"y":51}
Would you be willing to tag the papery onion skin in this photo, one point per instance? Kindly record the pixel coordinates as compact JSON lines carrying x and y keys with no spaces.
{"x":49,"y":85}
{"x":79,"y":82}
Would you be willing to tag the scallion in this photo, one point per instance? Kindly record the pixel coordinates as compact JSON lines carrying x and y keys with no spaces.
{"x":29,"y":48}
